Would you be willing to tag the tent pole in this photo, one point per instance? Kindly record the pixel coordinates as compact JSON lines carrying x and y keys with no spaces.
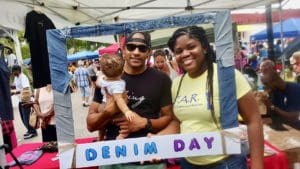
{"x":270,"y":32}
{"x":281,"y":37}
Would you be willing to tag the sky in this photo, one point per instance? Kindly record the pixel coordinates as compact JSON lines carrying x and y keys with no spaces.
{"x":286,"y":4}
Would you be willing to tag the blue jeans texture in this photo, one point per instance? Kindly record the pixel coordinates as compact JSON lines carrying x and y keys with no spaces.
{"x":233,"y":162}
{"x":25,"y":113}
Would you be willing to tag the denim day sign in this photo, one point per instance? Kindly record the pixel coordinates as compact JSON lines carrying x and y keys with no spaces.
{"x":144,"y":148}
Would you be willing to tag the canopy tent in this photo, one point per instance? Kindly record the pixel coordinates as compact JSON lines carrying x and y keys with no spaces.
{"x":112,"y":49}
{"x":290,"y":28}
{"x":82,"y":55}
{"x":86,"y":12}
{"x":67,"y":13}
{"x":290,"y":49}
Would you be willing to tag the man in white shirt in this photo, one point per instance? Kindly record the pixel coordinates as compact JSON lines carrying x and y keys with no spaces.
{"x":11,"y":58}
{"x":22,"y":86}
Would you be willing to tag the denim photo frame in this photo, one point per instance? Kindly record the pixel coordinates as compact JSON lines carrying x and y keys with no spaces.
{"x":60,"y":77}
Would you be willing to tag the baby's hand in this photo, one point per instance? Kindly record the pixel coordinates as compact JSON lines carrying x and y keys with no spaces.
{"x":130,"y":115}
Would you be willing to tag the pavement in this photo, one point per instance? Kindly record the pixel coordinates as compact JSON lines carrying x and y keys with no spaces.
{"x":79,"y":116}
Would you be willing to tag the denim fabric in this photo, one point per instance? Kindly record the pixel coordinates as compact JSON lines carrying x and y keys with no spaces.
{"x":133,"y":166}
{"x":63,"y":117}
{"x":223,"y":39}
{"x":85,"y":91}
{"x":25,"y":113}
{"x":56,"y":39}
{"x":224,"y":52}
{"x":233,"y":162}
{"x":228,"y":102}
{"x":60,"y":76}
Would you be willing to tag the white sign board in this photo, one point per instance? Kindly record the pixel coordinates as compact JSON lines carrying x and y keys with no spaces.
{"x":145,"y":148}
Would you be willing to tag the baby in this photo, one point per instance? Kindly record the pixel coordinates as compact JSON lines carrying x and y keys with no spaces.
{"x":112,"y":67}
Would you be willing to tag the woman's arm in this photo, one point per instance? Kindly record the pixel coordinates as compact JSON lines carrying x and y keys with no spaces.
{"x":249,"y":111}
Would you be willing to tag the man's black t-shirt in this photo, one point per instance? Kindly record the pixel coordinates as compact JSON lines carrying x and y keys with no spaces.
{"x":147,"y":93}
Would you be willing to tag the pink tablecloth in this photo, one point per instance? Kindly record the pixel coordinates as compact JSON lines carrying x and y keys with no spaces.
{"x":276,"y":161}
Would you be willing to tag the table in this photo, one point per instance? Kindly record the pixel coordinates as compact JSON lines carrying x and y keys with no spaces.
{"x":276,"y":161}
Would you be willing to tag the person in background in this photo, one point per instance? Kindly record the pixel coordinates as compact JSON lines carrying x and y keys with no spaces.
{"x":278,"y":48}
{"x":296,"y":65}
{"x":22,"y":87}
{"x":149,"y":95}
{"x":83,"y":80}
{"x":283,"y":102}
{"x":92,"y":69}
{"x":45,"y":107}
{"x":199,"y":83}
{"x":172,"y":62}
{"x":163,"y":65}
{"x":11,"y":58}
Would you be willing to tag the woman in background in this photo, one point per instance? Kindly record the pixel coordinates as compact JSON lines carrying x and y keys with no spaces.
{"x":161,"y":64}
{"x":45,"y":110}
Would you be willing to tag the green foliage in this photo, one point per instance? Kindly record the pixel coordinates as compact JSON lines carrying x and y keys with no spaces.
{"x":80,"y":45}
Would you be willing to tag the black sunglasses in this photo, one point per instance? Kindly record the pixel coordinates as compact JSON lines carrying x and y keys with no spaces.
{"x":132,"y":47}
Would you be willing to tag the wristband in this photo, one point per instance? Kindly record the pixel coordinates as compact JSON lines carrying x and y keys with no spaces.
{"x":149,"y":125}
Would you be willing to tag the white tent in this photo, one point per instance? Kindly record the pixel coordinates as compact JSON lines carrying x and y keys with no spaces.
{"x":67,"y":13}
{"x":91,"y":12}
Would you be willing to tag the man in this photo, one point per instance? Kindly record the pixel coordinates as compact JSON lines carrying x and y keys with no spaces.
{"x":149,"y":95}
{"x":285,"y":102}
{"x":22,"y":86}
{"x":83,"y":80}
{"x":11,"y":58}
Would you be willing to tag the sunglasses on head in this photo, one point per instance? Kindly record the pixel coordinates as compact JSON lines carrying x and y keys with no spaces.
{"x":132,"y":47}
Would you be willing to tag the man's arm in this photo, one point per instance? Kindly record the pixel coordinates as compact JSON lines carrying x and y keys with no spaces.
{"x":96,"y":118}
{"x":100,"y":114}
{"x":140,"y":122}
{"x":289,"y":116}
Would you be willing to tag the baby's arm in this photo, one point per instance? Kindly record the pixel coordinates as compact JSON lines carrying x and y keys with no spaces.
{"x":123,"y":106}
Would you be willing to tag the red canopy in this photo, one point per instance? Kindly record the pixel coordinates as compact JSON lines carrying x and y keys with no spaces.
{"x":112,"y":49}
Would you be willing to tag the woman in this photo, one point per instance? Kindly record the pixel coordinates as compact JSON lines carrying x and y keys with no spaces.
{"x":196,"y":101}
{"x":161,"y":64}
{"x":45,"y":111}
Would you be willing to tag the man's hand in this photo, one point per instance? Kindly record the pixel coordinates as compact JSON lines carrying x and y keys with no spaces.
{"x":127,"y":127}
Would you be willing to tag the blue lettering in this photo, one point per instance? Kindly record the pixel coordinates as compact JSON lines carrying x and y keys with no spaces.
{"x":105,"y":152}
{"x":194,"y":144}
{"x":193,"y":98}
{"x":120,"y":151}
{"x":183,"y":99}
{"x":136,"y":150}
{"x":149,"y":149}
{"x":90,"y":154}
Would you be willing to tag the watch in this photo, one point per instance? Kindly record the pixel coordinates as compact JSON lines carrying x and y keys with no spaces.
{"x":149,"y":125}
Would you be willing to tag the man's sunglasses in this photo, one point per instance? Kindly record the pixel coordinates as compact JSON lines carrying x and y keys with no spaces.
{"x":132,"y":47}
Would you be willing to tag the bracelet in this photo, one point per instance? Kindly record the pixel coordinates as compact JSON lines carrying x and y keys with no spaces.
{"x":149,"y":125}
